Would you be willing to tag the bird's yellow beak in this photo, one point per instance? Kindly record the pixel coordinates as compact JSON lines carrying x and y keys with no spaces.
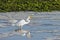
{"x":30,"y":17}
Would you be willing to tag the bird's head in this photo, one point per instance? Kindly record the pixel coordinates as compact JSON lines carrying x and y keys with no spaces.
{"x":30,"y":17}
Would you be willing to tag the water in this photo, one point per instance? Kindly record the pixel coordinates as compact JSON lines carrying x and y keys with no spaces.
{"x":49,"y":21}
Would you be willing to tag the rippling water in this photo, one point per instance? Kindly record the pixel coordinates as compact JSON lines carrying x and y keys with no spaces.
{"x":49,"y":21}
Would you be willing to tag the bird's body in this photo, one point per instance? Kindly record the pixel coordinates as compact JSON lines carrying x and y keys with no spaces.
{"x":22,"y":22}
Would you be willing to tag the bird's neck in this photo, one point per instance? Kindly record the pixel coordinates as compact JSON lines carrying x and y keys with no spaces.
{"x":28,"y":20}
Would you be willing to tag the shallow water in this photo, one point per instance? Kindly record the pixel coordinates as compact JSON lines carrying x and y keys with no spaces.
{"x":49,"y":21}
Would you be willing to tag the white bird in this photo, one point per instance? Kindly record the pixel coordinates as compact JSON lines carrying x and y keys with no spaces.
{"x":20,"y":23}
{"x":23,"y":22}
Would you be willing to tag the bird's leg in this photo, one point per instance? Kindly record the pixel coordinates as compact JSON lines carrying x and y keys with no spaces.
{"x":20,"y":28}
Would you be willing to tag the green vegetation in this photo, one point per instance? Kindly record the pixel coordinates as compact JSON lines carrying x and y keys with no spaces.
{"x":29,"y":5}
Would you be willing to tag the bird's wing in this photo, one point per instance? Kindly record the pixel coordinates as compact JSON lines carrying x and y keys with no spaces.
{"x":22,"y":21}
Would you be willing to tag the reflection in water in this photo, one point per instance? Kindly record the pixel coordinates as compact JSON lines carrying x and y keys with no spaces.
{"x":16,"y":32}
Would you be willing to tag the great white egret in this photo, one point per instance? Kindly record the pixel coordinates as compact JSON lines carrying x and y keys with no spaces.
{"x":21,"y":22}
